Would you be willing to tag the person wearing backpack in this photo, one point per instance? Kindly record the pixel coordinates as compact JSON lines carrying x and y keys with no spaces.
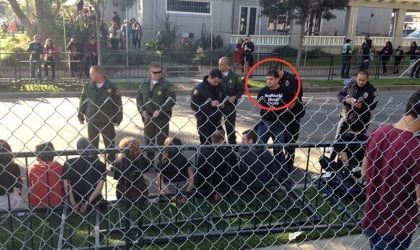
{"x":398,"y":56}
{"x":367,"y":51}
{"x":346,"y":54}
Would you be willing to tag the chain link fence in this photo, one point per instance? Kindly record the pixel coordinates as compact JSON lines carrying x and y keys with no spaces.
{"x":237,"y":199}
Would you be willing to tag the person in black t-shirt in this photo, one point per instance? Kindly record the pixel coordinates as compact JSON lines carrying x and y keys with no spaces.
{"x":176,"y":173}
{"x":273,"y":122}
{"x":84,"y":177}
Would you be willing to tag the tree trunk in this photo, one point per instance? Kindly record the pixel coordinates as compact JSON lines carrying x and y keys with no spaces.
{"x":29,"y":27}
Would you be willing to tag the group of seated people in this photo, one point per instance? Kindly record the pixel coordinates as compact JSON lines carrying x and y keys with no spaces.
{"x":218,"y":170}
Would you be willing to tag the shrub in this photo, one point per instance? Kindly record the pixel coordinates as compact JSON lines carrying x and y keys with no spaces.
{"x":285,"y":51}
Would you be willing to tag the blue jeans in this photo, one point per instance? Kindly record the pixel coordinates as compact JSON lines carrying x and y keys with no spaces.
{"x":386,"y":242}
{"x":277,"y":134}
{"x":345,"y":69}
{"x":35,"y":65}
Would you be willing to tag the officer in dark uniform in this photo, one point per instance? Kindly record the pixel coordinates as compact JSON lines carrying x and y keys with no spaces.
{"x":359,"y":97}
{"x":101,"y":106}
{"x":233,"y":87}
{"x":290,"y":81}
{"x":207,"y":100}
{"x":155,"y":99}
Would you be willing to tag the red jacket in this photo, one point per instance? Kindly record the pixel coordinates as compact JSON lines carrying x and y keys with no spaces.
{"x":45,"y":183}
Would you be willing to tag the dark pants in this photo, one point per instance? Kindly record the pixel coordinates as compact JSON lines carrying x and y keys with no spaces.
{"x":229,"y":113}
{"x":35,"y":67}
{"x":75,"y":65}
{"x":364,"y":64}
{"x":108,"y":135}
{"x":291,"y":136}
{"x":156,"y":130}
{"x":52,"y":65}
{"x":206,"y":127}
{"x":277,"y":134}
{"x":397,"y":66}
{"x":90,"y":60}
{"x":385,"y":242}
{"x":345,"y":69}
{"x":415,"y":70}
{"x":384,"y":68}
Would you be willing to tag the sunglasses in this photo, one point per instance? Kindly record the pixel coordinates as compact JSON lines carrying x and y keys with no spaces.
{"x":156,"y":72}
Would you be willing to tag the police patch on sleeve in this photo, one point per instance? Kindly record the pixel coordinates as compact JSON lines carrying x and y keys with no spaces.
{"x":196,"y":92}
{"x":365,"y":95}
{"x":171,"y":89}
{"x":117,"y":92}
{"x":375,"y":93}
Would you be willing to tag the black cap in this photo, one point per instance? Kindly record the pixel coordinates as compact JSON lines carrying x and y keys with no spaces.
{"x":348,"y":40}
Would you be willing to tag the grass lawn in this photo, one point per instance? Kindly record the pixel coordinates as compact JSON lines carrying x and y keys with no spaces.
{"x":278,"y":212}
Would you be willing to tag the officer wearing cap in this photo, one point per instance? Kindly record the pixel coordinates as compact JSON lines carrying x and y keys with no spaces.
{"x":233,"y":87}
{"x":155,"y":99}
{"x":207,"y":100}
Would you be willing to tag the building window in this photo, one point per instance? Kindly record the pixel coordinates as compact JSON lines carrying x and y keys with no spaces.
{"x":281,"y":24}
{"x":248,"y":20}
{"x":190,"y":6}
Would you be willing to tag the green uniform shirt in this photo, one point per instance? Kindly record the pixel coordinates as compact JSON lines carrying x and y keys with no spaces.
{"x":100,"y":105}
{"x":161,"y":97}
{"x":233,"y":85}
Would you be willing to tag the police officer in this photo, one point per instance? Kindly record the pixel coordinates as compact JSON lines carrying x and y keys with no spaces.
{"x":207,"y":100}
{"x":101,"y":106}
{"x":155,"y":99}
{"x":359,"y":97}
{"x":290,"y":81}
{"x":233,"y":87}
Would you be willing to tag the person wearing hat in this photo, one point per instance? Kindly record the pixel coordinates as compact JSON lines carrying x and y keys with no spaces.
{"x":45,"y":178}
{"x":84,"y":178}
{"x":346,"y":54}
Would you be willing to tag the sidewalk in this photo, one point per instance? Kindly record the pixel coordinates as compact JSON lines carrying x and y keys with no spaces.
{"x":351,"y":242}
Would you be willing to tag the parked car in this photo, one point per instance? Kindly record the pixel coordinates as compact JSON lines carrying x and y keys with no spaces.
{"x":414,"y":34}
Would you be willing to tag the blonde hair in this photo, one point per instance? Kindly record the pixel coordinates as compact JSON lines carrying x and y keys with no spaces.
{"x":133,"y":148}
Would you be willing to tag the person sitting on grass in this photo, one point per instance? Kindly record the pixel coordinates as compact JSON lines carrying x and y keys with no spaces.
{"x":175,"y":171}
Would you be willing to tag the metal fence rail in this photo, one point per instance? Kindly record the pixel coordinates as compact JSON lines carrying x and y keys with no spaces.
{"x":120,"y":65}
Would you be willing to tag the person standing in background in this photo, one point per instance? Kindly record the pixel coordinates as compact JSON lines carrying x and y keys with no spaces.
{"x":51,"y":55}
{"x":35,"y":49}
{"x":398,"y":56}
{"x":248,"y":56}
{"x":346,"y":55}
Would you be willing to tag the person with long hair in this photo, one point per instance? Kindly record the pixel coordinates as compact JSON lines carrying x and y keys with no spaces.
{"x":129,"y":169}
{"x":238,"y":57}
{"x":10,"y":179}
{"x":386,"y":54}
{"x":50,"y":52}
